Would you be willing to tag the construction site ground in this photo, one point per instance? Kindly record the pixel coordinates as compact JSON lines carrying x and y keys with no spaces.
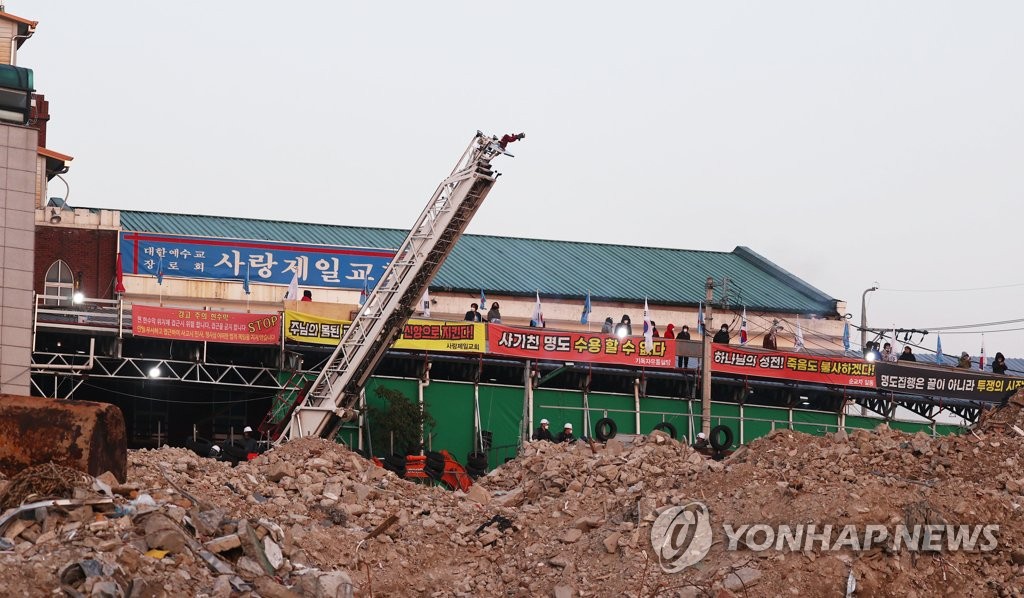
{"x":311,"y":518}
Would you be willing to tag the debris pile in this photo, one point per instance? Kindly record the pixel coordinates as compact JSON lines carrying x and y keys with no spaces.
{"x":311,"y":518}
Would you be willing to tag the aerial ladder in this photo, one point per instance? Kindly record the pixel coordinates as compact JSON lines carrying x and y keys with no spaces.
{"x":335,"y":392}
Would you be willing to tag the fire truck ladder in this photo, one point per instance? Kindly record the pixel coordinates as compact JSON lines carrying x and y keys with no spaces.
{"x":388,"y":306}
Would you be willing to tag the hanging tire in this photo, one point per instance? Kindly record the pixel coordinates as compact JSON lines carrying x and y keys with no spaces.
{"x":395,"y":460}
{"x":477,"y":460}
{"x":668,"y":428}
{"x":721,"y":430}
{"x":605,"y":428}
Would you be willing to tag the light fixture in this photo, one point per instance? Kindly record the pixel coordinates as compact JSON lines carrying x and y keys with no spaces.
{"x":154,"y":372}
{"x":621,"y":332}
{"x":78,"y":297}
{"x":54,"y":216}
{"x":870,"y":356}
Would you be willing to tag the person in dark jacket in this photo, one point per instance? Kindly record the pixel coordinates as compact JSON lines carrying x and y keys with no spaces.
{"x":608,"y":327}
{"x":999,"y":364}
{"x":494,"y":315}
{"x":624,"y":327}
{"x":684,"y":335}
{"x":543,"y":432}
{"x":566,"y":434}
{"x":907,"y":354}
{"x":654,"y":330}
{"x":473,"y":315}
{"x":722,"y":336}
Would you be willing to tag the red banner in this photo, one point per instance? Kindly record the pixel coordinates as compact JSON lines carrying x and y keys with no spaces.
{"x":201,"y":325}
{"x":537,"y":343}
{"x":792,"y":366}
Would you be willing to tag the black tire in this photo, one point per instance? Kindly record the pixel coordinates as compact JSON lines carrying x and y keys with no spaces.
{"x":667,"y":428}
{"x":605,"y":428}
{"x":718,"y":430}
{"x":477,"y":460}
{"x":435,"y":458}
{"x":395,"y":460}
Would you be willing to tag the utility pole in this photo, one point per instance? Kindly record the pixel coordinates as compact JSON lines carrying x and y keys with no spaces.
{"x":864,"y":317}
{"x":705,"y":361}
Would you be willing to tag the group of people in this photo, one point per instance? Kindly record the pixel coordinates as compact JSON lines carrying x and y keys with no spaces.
{"x":544,"y":433}
{"x":872,"y":353}
{"x":493,"y":314}
{"x":625,"y":328}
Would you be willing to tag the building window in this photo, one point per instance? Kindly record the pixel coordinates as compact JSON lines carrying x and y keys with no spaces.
{"x":60,"y":282}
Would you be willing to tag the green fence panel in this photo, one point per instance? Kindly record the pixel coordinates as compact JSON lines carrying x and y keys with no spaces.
{"x":758,"y":421}
{"x":559,"y":407}
{"x":861,"y":422}
{"x":501,"y":413}
{"x":674,"y":411}
{"x":948,"y":429}
{"x":815,"y":422}
{"x":619,"y":408}
{"x":408,"y":387}
{"x":451,"y":406}
{"x":911,"y":427}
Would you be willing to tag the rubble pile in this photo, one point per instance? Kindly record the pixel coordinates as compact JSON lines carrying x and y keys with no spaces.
{"x":311,"y":518}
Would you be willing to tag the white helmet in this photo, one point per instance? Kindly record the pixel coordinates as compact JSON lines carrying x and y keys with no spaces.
{"x":568,"y":426}
{"x":544,"y":421}
{"x":246,"y":429}
{"x":214,"y":450}
{"x":701,"y":435}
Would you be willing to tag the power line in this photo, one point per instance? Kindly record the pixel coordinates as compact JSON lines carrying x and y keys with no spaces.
{"x":961,"y":326}
{"x":1002,"y":286}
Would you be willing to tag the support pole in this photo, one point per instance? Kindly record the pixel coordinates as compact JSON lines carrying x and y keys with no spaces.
{"x":705,"y":362}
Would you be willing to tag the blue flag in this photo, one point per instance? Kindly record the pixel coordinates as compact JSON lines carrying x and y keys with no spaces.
{"x":938,"y":349}
{"x":160,"y":271}
{"x":245,"y":283}
{"x":585,"y":318}
{"x":700,"y":317}
{"x":483,"y":301}
{"x":846,"y":337}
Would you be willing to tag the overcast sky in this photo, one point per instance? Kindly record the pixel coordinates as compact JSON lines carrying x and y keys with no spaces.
{"x":850,"y":143}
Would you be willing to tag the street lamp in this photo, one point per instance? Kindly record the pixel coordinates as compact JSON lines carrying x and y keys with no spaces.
{"x":864,"y":318}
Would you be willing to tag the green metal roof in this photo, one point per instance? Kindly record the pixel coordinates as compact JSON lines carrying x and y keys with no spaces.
{"x":517,"y":266}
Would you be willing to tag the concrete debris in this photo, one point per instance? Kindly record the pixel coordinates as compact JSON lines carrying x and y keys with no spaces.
{"x":311,"y":518}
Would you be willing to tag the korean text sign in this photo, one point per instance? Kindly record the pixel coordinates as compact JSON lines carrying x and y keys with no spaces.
{"x":422,"y":335}
{"x":954,"y":383}
{"x":262,"y":261}
{"x":792,"y":366}
{"x":203,"y":325}
{"x":538,"y":343}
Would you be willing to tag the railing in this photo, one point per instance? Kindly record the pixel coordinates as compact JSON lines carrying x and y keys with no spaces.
{"x":108,"y":315}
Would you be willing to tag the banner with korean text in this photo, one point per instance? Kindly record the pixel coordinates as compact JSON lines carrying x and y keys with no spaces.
{"x":420,"y":335}
{"x":203,"y":325}
{"x":538,"y":343}
{"x":822,"y":369}
{"x":940,"y":382}
{"x":264,"y":261}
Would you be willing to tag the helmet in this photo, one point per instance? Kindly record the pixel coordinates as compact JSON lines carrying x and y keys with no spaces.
{"x":246,"y":429}
{"x":544,"y":421}
{"x":701,"y":435}
{"x":568,"y":426}
{"x":215,"y":450}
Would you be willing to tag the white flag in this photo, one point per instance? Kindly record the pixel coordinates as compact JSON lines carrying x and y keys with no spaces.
{"x":798,"y":341}
{"x":425,"y":303}
{"x":648,"y":329}
{"x":293,"y":287}
{"x":538,"y":313}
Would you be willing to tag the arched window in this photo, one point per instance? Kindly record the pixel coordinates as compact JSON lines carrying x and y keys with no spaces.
{"x":60,"y":282}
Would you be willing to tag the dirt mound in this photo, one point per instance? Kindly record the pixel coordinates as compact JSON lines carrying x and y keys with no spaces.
{"x":312,"y":518}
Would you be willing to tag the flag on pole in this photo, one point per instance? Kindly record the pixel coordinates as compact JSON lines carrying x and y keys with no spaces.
{"x":364,"y":293}
{"x":425,"y":303}
{"x":743,"y":327}
{"x":648,"y":329}
{"x":160,"y":271}
{"x":119,"y":289}
{"x":585,"y":318}
{"x":483,"y":301}
{"x":700,"y":317}
{"x":798,"y":341}
{"x":938,"y":349}
{"x":538,"y":313}
{"x":981,"y":360}
{"x":846,"y":337}
{"x":245,"y":283}
{"x":293,"y":286}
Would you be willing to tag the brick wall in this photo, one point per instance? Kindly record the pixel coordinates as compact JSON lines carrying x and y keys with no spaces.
{"x":89,"y":251}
